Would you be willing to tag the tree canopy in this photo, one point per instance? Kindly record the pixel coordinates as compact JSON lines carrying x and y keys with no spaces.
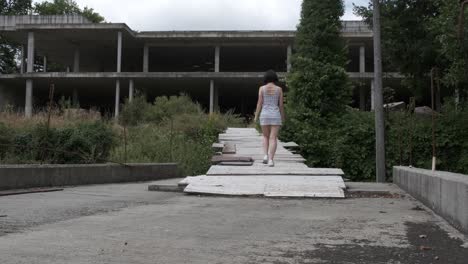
{"x":67,"y":7}
{"x":319,"y":89}
{"x":420,"y":35}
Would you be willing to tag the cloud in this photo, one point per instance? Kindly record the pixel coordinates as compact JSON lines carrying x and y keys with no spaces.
{"x":153,"y":15}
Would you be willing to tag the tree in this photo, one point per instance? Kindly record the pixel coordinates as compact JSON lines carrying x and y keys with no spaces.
{"x":319,"y":89}
{"x":8,"y":50}
{"x":419,"y":35}
{"x":67,"y":7}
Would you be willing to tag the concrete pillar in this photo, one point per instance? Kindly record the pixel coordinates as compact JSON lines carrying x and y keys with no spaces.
{"x":117,"y":99}
{"x":76,"y":60}
{"x":212,"y":96}
{"x":28,"y":99}
{"x":29,"y":83}
{"x":45,"y":63}
{"x":217,"y":55}
{"x":362,"y":69}
{"x":362,"y":59}
{"x":372,"y":95}
{"x":22,"y":60}
{"x":119,"y":51}
{"x":145,"y":58}
{"x":288,"y":58}
{"x":130,"y":90}
{"x":30,"y":64}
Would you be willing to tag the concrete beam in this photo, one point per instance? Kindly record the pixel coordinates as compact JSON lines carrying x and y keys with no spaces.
{"x":117,"y":99}
{"x":119,"y":51}
{"x":45,"y":63}
{"x":217,"y":58}
{"x":146,"y":58}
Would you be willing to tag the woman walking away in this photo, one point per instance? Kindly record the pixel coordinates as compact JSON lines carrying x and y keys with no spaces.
{"x":270,"y":102}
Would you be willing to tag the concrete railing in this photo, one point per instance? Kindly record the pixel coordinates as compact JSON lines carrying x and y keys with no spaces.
{"x":33,"y":176}
{"x":13,"y":21}
{"x":444,"y":192}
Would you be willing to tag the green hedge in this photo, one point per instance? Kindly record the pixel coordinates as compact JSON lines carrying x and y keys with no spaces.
{"x":348,"y":142}
{"x":82,"y":142}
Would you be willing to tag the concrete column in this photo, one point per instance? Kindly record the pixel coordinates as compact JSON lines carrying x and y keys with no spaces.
{"x":119,"y":51}
{"x":362,"y":69}
{"x":30,"y":64}
{"x":146,"y":58}
{"x":288,"y":58}
{"x":28,"y":99}
{"x":45,"y":63}
{"x":212,"y":96}
{"x":29,"y":83}
{"x":372,"y":95}
{"x":117,"y":99}
{"x":217,"y":61}
{"x":76,"y":60}
{"x":130,"y":90}
{"x":22,"y":60}
{"x":362,"y":59}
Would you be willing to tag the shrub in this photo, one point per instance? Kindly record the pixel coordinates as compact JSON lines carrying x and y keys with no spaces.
{"x":348,"y":142}
{"x":83,"y":142}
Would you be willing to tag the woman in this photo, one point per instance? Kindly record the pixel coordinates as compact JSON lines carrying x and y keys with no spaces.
{"x":270,"y":102}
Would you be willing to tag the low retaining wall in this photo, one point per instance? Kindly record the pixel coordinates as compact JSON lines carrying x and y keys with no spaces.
{"x":444,"y":192}
{"x":32,"y":176}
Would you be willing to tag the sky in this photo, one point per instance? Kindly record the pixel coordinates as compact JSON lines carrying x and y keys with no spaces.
{"x":154,"y":15}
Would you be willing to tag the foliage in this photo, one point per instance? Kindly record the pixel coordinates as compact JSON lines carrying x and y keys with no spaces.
{"x":318,"y":82}
{"x":420,"y":35}
{"x":67,"y":7}
{"x":82,"y":142}
{"x":319,"y":89}
{"x":172,"y":129}
{"x":9,"y":50}
{"x":349,"y":142}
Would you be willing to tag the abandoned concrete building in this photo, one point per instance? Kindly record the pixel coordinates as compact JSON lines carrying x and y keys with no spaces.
{"x":99,"y":65}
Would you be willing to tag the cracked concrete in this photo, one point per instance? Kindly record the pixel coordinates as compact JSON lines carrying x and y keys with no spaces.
{"x":126,"y":224}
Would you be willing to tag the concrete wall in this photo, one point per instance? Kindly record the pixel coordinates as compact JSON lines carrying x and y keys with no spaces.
{"x":444,"y":192}
{"x":13,"y":21}
{"x":31,"y":176}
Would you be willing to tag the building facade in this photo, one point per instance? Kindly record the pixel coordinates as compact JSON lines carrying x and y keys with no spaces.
{"x":99,"y":65}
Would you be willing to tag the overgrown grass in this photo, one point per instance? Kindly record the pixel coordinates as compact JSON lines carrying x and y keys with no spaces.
{"x":172,"y":129}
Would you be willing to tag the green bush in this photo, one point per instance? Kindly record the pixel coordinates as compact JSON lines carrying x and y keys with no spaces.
{"x":348,"y":142}
{"x":173,"y":129}
{"x":83,"y":142}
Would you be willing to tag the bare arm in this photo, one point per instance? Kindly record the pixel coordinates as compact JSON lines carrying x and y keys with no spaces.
{"x":281,"y":105}
{"x":259,"y":104}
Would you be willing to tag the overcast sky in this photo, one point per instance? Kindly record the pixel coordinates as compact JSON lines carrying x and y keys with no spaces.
{"x":147,"y":15}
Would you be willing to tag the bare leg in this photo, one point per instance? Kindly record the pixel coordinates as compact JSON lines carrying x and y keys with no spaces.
{"x":266,"y":135}
{"x":273,"y":141}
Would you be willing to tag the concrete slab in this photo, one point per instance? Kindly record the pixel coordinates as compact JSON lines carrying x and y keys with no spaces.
{"x":126,"y":224}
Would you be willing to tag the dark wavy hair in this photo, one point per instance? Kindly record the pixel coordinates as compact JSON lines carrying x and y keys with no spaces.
{"x":270,"y":77}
